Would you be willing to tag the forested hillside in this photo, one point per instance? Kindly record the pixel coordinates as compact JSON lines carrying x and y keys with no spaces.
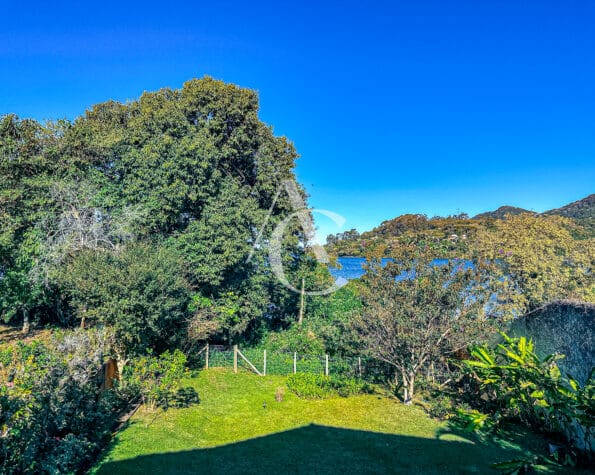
{"x":581,"y":209}
{"x":501,"y":212}
{"x":382,"y":239}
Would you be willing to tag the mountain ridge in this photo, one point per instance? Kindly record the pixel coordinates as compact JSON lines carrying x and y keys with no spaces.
{"x":354,"y":243}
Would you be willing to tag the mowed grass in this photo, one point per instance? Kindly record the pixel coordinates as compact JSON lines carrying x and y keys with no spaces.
{"x":232,"y":431}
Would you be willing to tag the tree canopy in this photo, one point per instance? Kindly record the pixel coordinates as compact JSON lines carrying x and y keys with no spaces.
{"x":191,"y":173}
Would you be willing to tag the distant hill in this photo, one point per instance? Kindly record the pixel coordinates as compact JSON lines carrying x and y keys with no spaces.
{"x":352,"y":243}
{"x":581,"y":209}
{"x":501,"y":212}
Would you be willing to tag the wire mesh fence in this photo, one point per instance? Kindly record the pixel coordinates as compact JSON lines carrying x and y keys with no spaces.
{"x":283,"y":364}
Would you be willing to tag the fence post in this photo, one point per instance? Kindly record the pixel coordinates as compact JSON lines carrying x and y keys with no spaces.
{"x":326,"y":365}
{"x":207,"y":357}
{"x":235,"y":358}
{"x":264,"y":364}
{"x":359,"y":366}
{"x":294,"y":362}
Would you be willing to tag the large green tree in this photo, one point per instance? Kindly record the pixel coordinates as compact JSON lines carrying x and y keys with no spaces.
{"x":192,"y":170}
{"x":139,"y":291}
{"x":29,"y":165}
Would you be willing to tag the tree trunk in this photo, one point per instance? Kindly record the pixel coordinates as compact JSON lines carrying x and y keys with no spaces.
{"x":301,"y":314}
{"x":405,"y":387}
{"x":408,"y":386}
{"x":25,"y":321}
{"x":120,"y":364}
{"x":411,"y":387}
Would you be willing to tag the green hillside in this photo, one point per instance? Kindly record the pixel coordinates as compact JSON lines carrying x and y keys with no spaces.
{"x":382,"y":239}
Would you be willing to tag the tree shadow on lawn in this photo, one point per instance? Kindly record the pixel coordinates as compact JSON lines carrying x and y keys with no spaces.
{"x":321,"y":449}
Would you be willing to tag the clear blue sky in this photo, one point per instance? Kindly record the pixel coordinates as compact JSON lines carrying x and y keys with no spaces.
{"x":435,"y":107}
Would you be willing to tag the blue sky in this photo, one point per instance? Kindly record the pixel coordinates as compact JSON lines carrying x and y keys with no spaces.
{"x":435,"y":107}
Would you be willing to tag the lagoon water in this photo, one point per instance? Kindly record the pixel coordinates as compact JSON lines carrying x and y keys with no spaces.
{"x":351,"y":267}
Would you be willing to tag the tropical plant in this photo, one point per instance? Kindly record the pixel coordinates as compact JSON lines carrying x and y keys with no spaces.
{"x":515,"y":383}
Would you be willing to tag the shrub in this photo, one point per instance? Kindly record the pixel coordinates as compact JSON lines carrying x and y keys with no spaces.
{"x":308,"y":386}
{"x":440,"y":406}
{"x":514,"y":383}
{"x":317,"y":386}
{"x":53,"y":417}
{"x":155,"y":378}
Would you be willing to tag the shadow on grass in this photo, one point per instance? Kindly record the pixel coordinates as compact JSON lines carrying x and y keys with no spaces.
{"x":320,"y":449}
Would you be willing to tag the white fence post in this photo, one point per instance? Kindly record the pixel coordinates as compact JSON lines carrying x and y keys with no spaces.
{"x":294,"y":362}
{"x":235,"y":358}
{"x":326,"y":365}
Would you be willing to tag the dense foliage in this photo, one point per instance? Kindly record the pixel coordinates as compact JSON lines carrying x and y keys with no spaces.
{"x":155,"y":378}
{"x":139,"y":220}
{"x":511,"y":383}
{"x":540,"y":257}
{"x":139,"y":292}
{"x":517,"y":384}
{"x":325,"y":328}
{"x":56,"y":413}
{"x":133,"y":211}
{"x":53,"y":417}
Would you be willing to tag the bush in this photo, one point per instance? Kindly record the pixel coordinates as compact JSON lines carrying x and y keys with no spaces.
{"x":155,"y":378}
{"x":441,"y":406}
{"x":318,"y":386}
{"x":515,"y":384}
{"x":308,"y":386}
{"x":53,"y":417}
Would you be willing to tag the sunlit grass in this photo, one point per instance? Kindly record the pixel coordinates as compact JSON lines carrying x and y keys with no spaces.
{"x":388,"y":434}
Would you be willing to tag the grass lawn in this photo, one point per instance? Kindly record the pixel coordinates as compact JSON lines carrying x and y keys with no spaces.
{"x":231,"y":431}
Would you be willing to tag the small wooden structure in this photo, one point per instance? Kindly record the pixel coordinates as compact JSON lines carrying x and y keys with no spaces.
{"x":109,"y":372}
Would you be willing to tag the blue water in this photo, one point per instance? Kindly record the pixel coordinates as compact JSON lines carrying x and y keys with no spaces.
{"x":352,"y":267}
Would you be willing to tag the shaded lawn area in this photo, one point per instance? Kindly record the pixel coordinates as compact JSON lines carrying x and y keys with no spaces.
{"x":231,"y":431}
